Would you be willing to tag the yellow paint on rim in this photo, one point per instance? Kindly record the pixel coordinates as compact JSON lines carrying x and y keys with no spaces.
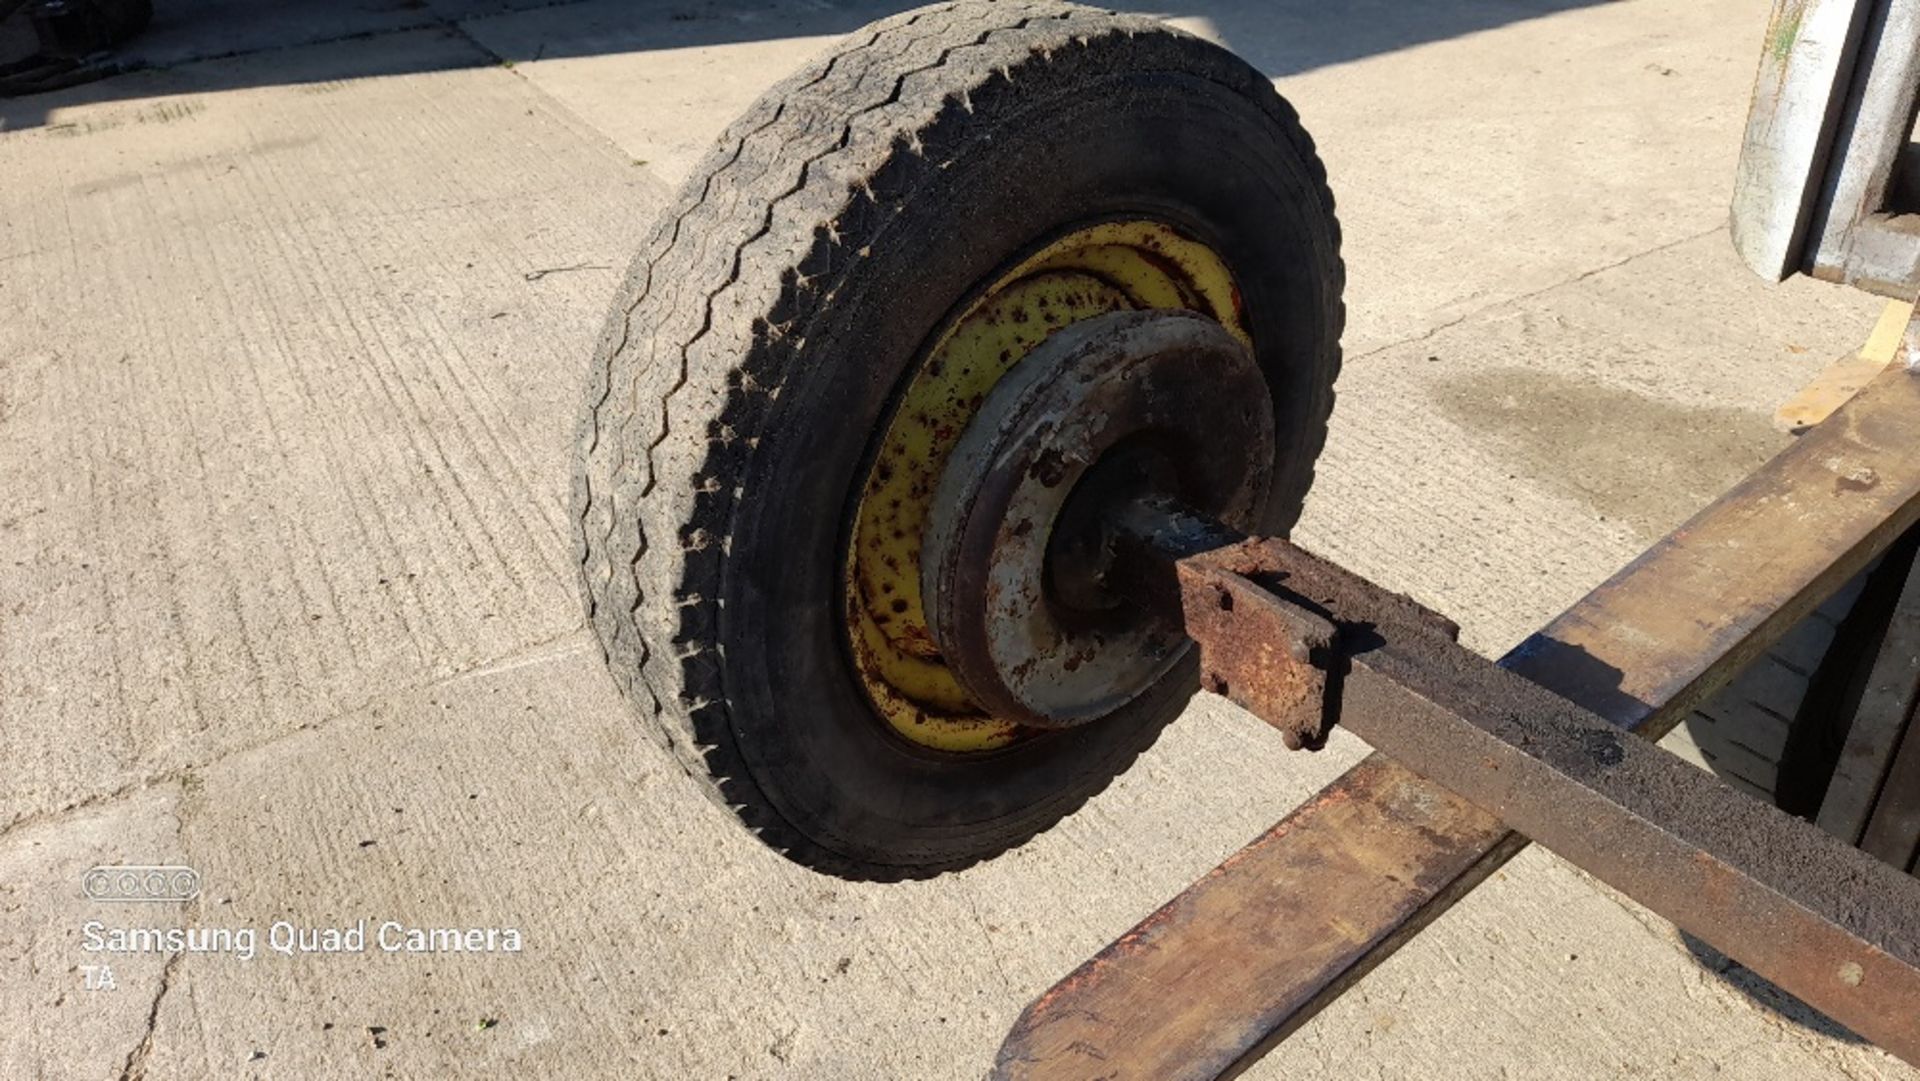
{"x":1113,"y":266}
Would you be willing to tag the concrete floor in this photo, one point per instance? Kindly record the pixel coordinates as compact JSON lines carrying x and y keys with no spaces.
{"x":293,"y":337}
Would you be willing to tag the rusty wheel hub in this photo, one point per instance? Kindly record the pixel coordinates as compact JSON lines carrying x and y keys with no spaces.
{"x":1088,"y":271}
{"x":1108,"y":410}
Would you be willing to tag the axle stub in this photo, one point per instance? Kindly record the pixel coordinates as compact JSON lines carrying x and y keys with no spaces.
{"x":1016,"y":554}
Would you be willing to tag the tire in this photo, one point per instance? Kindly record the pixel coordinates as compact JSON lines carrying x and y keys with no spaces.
{"x":1745,"y":732}
{"x":768,"y":325}
{"x":1777,"y":729}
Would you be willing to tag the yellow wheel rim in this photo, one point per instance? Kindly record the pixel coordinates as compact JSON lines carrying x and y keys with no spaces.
{"x":1113,"y":266}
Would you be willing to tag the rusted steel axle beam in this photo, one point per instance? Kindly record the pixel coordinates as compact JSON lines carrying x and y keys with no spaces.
{"x":1249,"y":952}
{"x":1827,"y":922}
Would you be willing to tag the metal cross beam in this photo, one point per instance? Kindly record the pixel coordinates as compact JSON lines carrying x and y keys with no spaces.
{"x":1256,"y":947}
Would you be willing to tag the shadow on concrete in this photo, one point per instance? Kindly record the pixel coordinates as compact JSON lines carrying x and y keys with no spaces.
{"x":1765,"y":994}
{"x":1280,"y":36}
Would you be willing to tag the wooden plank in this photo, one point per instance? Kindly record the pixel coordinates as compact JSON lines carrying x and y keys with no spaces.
{"x":1240,"y":938}
{"x":1836,"y":385}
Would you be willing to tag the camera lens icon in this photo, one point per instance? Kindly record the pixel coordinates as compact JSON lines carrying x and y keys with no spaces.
{"x":143,"y":883}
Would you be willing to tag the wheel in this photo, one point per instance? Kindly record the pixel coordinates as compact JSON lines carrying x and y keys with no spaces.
{"x":807,"y":336}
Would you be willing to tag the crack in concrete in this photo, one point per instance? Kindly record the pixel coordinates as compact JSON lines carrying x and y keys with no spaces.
{"x":552,"y":649}
{"x":1521,"y":298}
{"x":31,"y":819}
{"x":135,"y":1066}
{"x":986,"y":936}
{"x":183,"y":775}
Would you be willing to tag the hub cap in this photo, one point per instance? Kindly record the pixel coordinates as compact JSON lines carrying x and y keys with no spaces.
{"x":1111,"y":409}
{"x":1092,"y":271}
